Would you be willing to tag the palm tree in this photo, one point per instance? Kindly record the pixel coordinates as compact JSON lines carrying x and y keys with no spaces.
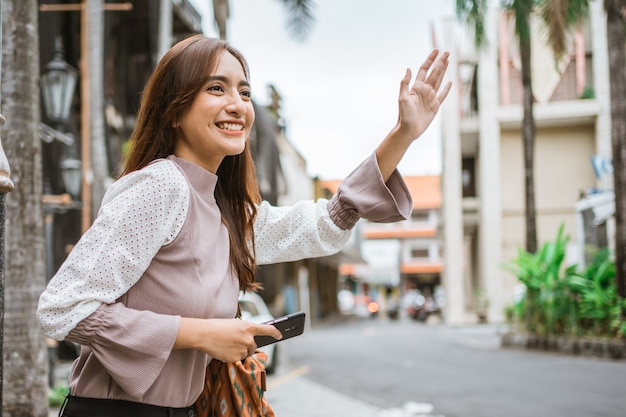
{"x":25,"y":364}
{"x":299,"y":21}
{"x":473,"y":13}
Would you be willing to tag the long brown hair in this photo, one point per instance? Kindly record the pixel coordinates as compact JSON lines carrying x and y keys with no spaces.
{"x":168,"y":95}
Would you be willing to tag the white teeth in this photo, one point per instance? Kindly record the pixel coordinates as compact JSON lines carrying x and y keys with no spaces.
{"x":230,"y":126}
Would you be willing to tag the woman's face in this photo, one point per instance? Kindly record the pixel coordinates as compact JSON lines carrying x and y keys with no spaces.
{"x":220,"y":118}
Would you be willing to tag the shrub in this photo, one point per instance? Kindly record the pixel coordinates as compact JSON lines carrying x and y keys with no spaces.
{"x":563,"y":300}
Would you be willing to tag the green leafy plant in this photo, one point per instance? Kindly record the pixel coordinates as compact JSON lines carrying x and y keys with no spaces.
{"x":544,"y":305}
{"x":563,"y":300}
{"x":595,"y":292}
{"x":57,"y":395}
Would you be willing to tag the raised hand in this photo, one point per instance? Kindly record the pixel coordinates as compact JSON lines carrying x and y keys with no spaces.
{"x":418,"y":106}
{"x":419,"y":103}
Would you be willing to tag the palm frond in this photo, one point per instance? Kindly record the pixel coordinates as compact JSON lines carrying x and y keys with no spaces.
{"x":472,"y":13}
{"x":300,"y":17}
{"x":558,"y":18}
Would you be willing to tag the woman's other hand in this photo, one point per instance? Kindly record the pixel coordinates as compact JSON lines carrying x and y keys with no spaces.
{"x":228,"y":340}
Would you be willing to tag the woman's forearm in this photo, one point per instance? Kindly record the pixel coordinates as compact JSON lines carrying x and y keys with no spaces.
{"x":391,"y":151}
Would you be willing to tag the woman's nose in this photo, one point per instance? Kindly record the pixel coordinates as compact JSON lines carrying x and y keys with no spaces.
{"x":236,"y":104}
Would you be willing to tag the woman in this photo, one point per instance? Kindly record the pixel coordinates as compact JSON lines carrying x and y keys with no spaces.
{"x":150,"y":291}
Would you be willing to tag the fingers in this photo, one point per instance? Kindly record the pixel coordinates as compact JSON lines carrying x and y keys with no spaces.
{"x":404,"y":83}
{"x":268,"y":330}
{"x":439,"y":71}
{"x":249,"y":352}
{"x":444,"y":93}
{"x":423,"y":71}
{"x":433,"y":70}
{"x":261,"y":330}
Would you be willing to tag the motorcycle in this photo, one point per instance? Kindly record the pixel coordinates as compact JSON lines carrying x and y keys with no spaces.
{"x":422,"y":307}
{"x":392,"y":309}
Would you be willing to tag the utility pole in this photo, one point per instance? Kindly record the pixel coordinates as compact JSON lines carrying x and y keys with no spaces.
{"x":6,"y":185}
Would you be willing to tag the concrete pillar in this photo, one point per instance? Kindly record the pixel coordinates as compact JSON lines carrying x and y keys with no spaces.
{"x":166,"y":17}
{"x":601,"y":83}
{"x":453,"y":262}
{"x":490,"y":212}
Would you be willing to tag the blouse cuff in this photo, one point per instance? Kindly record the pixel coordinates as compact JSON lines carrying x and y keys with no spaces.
{"x":363,"y":194}
{"x":132,"y":345}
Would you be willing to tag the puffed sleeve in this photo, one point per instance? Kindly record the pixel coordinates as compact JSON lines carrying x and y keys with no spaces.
{"x":140,"y":213}
{"x":312,"y":229}
{"x":363,"y":194}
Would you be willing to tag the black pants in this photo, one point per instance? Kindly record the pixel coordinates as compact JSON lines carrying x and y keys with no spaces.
{"x":97,"y":407}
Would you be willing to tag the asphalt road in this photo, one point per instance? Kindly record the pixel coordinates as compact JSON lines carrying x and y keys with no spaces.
{"x":378,"y":367}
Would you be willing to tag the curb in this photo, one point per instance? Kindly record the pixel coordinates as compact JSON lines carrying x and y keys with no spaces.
{"x":614,"y":349}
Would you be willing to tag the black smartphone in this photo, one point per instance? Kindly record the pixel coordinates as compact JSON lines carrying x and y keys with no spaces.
{"x":290,"y":326}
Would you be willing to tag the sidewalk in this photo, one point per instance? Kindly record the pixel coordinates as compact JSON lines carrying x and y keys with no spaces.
{"x":294,"y":395}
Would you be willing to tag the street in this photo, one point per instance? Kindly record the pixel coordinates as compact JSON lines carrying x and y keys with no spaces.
{"x":381,"y":368}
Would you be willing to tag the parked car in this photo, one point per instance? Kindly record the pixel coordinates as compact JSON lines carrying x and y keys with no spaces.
{"x":254,"y":309}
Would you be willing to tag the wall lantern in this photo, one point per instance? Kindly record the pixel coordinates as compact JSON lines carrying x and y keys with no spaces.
{"x":58,"y":83}
{"x":71,"y":170}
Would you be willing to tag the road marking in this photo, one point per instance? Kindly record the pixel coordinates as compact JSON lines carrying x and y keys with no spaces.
{"x":276,"y":381}
{"x":411,"y":409}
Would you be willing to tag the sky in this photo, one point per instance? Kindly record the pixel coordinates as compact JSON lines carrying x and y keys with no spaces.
{"x":340,"y":85}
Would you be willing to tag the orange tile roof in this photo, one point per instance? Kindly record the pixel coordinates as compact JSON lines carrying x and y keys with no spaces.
{"x":331,"y":185}
{"x":425,"y":190}
{"x":399,"y":232}
{"x":405,"y":268}
{"x":421,"y":267}
{"x":346,"y":269}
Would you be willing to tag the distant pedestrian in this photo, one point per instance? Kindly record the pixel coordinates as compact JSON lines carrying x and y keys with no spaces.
{"x":150,"y":291}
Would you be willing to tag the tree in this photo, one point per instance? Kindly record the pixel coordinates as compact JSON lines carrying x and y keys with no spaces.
{"x":24,"y":355}
{"x":473,"y":13}
{"x":616,"y":39}
{"x":299,"y":21}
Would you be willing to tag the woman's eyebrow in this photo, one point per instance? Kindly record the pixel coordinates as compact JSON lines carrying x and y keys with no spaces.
{"x":224,"y":79}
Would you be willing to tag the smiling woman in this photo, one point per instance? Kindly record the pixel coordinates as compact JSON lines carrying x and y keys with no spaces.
{"x":151,"y":289}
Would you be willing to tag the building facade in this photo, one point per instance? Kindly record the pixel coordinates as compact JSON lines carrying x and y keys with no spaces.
{"x":483,"y":168}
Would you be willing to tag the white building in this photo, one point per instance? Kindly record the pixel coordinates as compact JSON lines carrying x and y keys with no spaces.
{"x":483,"y":174}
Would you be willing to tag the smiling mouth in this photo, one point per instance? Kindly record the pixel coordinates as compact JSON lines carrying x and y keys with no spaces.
{"x":230,"y":126}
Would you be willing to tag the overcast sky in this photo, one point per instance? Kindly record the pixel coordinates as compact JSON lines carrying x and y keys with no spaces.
{"x":339,"y":86}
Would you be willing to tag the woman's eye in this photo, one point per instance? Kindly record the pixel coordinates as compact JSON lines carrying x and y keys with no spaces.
{"x":246,"y":93}
{"x":215,"y":88}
